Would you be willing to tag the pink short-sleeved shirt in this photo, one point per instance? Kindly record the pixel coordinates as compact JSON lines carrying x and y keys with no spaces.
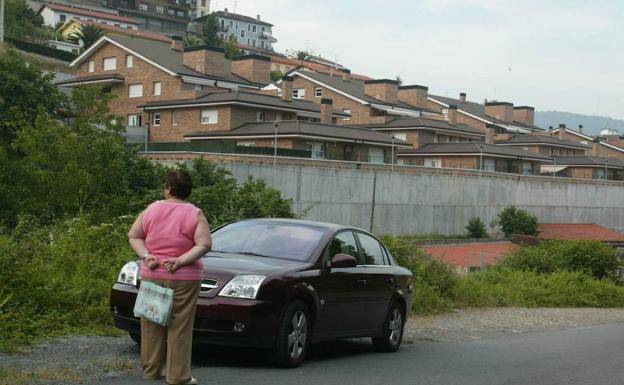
{"x":169,"y":230}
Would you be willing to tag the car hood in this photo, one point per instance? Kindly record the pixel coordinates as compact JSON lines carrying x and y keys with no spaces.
{"x":222,"y":267}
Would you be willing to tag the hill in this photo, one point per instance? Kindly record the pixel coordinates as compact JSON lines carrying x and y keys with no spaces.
{"x":591,"y":124}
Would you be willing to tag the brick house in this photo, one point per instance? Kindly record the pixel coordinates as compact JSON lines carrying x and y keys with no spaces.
{"x":484,"y":156}
{"x":471,"y":256}
{"x":367,"y":102}
{"x":599,"y":146}
{"x":585,"y":167}
{"x":138,"y":71}
{"x":544,"y":144}
{"x":224,"y":110}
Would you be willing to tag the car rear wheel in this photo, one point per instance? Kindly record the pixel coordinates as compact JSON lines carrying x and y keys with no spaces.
{"x":293,"y":336}
{"x":392,"y":332}
{"x":136,"y":337}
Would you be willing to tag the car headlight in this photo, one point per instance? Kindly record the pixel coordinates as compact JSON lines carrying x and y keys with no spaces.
{"x":243,"y":286}
{"x":129,"y":273}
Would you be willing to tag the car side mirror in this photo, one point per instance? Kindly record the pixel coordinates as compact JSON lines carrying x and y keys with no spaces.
{"x":342,"y":260}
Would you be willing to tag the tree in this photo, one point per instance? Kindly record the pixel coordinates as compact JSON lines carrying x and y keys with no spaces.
{"x":21,"y":22}
{"x":399,"y":80}
{"x":88,"y":34}
{"x":276,"y":76}
{"x":191,"y":41}
{"x":231,"y":47}
{"x":517,"y":221}
{"x":302,"y":55}
{"x":210,"y":30}
{"x":476,"y":228}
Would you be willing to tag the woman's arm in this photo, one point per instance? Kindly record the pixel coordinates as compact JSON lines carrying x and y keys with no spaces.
{"x":203,"y":244}
{"x":136,"y":238}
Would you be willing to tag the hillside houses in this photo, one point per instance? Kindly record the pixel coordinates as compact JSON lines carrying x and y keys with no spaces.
{"x":194,"y":96}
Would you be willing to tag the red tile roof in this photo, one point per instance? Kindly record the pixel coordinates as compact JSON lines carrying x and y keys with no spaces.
{"x":471,"y":254}
{"x":88,"y":12}
{"x":325,"y":69}
{"x":128,"y":32}
{"x":578,"y":231}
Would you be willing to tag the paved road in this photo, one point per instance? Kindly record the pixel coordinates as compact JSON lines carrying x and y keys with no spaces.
{"x":588,"y":355}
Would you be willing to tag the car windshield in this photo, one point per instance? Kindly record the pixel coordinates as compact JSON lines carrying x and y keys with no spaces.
{"x":268,"y":239}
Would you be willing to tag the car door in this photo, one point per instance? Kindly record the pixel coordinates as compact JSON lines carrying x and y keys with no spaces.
{"x":378,"y":273}
{"x":340,"y":289}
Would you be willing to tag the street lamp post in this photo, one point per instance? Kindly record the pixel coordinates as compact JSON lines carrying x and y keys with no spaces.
{"x":1,"y":21}
{"x":275,"y":145}
{"x":392,"y":157}
{"x":480,"y":159}
{"x":606,"y":170}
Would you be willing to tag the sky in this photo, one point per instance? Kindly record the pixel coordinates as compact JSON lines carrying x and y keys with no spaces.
{"x":563,"y":55}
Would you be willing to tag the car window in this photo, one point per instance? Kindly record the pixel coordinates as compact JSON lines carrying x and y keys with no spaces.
{"x":372,"y":253}
{"x":343,"y":243}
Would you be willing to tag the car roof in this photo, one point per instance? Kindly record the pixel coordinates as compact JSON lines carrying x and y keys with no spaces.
{"x":325,"y":225}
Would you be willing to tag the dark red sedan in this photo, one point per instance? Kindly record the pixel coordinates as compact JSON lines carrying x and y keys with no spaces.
{"x":283,"y":284}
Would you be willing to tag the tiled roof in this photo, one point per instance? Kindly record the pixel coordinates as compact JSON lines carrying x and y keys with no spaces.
{"x":143,"y":34}
{"x":325,"y":69}
{"x":163,"y":55}
{"x":588,"y":161}
{"x":235,"y":16}
{"x":522,"y":139}
{"x":355,"y":88}
{"x":479,"y":110}
{"x":242,"y":97}
{"x":578,"y":231}
{"x":409,"y":122}
{"x":114,"y":77}
{"x":88,"y":12}
{"x":292,"y":127}
{"x":471,"y":254}
{"x":474,"y":148}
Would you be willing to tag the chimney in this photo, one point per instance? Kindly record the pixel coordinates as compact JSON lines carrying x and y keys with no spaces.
{"x":524,"y":115}
{"x":385,"y":90}
{"x":462,"y":97}
{"x":287,"y":88}
{"x":562,"y":128}
{"x":346,"y":75}
{"x":225,"y":11}
{"x":205,"y":59}
{"x":595,"y":147}
{"x":255,"y":68}
{"x":580,"y":129}
{"x":176,"y":43}
{"x":452,"y":115}
{"x":500,"y":110}
{"x":414,"y":95}
{"x":489,"y":134}
{"x":258,"y":17}
{"x":326,"y":111}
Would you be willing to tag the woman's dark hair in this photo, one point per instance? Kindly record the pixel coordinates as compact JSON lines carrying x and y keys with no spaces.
{"x":180,"y":183}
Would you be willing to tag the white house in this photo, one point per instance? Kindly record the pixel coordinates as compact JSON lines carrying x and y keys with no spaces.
{"x":53,"y":13}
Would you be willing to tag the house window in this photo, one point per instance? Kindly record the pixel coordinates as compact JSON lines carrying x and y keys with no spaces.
{"x":489,"y":165}
{"x":527,"y":168}
{"x":157,"y":88}
{"x":242,"y":33}
{"x":209,"y":116}
{"x":135,"y":90}
{"x":171,"y":12}
{"x":262,"y":29}
{"x":143,"y":7}
{"x":433,"y":162}
{"x":400,"y":136}
{"x":298,"y":93}
{"x":180,"y":13}
{"x":262,"y":43}
{"x":318,"y":92}
{"x":248,"y":27}
{"x":375,"y":155}
{"x":110,"y":63}
{"x":231,"y":23}
{"x":253,"y":42}
{"x":347,"y":111}
{"x":129,"y":61}
{"x":91,"y":66}
{"x":260,"y":116}
{"x":246,"y":143}
{"x":160,"y":9}
{"x":317,"y":150}
{"x":63,"y":18}
{"x":156,"y":119}
{"x":134,"y":120}
{"x":174,"y":118}
{"x":254,"y":29}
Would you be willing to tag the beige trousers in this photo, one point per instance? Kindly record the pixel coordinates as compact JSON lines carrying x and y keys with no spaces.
{"x":174,"y":342}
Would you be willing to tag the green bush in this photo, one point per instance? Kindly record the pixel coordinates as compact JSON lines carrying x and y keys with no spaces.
{"x":505,"y":287}
{"x":476,"y":228}
{"x":593,"y":257}
{"x":517,"y":221}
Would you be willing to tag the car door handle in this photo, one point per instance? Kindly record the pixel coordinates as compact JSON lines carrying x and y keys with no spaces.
{"x":361,"y":282}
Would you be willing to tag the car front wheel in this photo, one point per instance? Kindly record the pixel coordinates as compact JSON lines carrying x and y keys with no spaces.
{"x":392,"y":332}
{"x":293,"y":336}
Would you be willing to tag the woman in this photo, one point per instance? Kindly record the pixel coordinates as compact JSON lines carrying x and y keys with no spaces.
{"x":171,"y":236}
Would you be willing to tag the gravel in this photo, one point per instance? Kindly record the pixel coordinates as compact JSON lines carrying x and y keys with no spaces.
{"x":93,"y":359}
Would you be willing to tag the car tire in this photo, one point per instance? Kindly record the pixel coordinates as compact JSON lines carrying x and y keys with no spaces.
{"x":293,"y":336}
{"x":392,"y":331}
{"x":135,"y":337}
